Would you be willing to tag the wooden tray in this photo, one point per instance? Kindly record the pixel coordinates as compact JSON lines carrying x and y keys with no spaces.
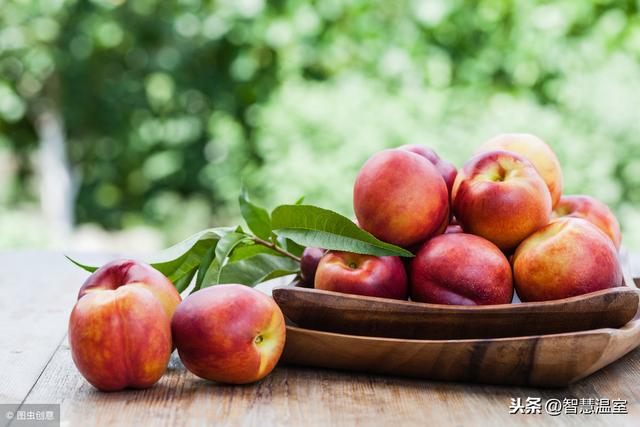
{"x":542,"y":360}
{"x":381,"y":317}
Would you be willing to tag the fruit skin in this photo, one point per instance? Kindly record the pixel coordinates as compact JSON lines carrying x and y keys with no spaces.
{"x":350,"y":273}
{"x":400,"y":198}
{"x":309,"y":264}
{"x":500,"y":196}
{"x":537,"y":152}
{"x":461,"y":269}
{"x":229,"y":333}
{"x":120,"y":338}
{"x":593,"y":210}
{"x":446,"y":169}
{"x":568,"y":257}
{"x":453,"y":229}
{"x":126,"y":272}
{"x":416,"y":246}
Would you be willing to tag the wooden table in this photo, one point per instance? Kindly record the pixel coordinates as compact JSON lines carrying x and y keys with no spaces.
{"x":39,"y":290}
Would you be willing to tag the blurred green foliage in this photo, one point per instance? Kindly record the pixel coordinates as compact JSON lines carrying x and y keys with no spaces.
{"x":168,"y":105}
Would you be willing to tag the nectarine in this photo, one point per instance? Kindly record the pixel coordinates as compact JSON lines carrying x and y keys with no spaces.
{"x":400,"y":197}
{"x":309,"y":264}
{"x":537,"y":152}
{"x":119,"y":330}
{"x":568,"y":257}
{"x":368,"y":275}
{"x":229,"y":333}
{"x":446,"y":169}
{"x":500,"y":196}
{"x":593,"y":210}
{"x":126,"y":272}
{"x":461,"y":269}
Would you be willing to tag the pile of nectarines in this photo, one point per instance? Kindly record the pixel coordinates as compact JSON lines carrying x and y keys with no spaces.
{"x":499,"y":223}
{"x":129,"y":316}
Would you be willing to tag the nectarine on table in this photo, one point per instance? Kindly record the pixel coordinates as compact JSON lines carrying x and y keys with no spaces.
{"x":568,"y":257}
{"x":119,"y":330}
{"x":461,"y":269}
{"x":229,"y":333}
{"x":499,"y":195}
{"x":368,"y":275}
{"x":127,"y":272}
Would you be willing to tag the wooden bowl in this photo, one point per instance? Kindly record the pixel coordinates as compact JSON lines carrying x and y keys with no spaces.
{"x":381,"y":317}
{"x":540,"y":360}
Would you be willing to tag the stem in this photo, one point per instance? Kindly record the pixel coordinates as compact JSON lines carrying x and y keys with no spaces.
{"x":275,"y":248}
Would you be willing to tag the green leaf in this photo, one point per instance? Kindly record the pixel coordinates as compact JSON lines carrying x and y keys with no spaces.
{"x":275,"y":274}
{"x":257,"y":269}
{"x":178,"y":267}
{"x":223,"y":249}
{"x":299,"y":201}
{"x":88,"y":268}
{"x":183,"y":283}
{"x":313,"y":226}
{"x":257,"y":218}
{"x":179,"y":260}
{"x":250,"y":249}
{"x":205,"y":263}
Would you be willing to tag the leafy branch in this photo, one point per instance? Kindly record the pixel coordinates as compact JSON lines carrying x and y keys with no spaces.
{"x":276,"y":248}
{"x":271,"y":248}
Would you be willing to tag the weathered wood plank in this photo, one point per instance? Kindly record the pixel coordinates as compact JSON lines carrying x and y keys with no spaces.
{"x":293,"y":396}
{"x":38,"y":292}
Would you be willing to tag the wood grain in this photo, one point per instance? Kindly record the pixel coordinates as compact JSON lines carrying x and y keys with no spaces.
{"x":293,"y":396}
{"x":38,"y":291}
{"x":382,"y":317}
{"x":544,"y":360}
{"x":308,"y":397}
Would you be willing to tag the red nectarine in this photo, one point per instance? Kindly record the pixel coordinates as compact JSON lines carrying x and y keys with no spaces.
{"x":400,"y":197}
{"x":229,"y":333}
{"x":461,"y":269}
{"x":346,"y":272}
